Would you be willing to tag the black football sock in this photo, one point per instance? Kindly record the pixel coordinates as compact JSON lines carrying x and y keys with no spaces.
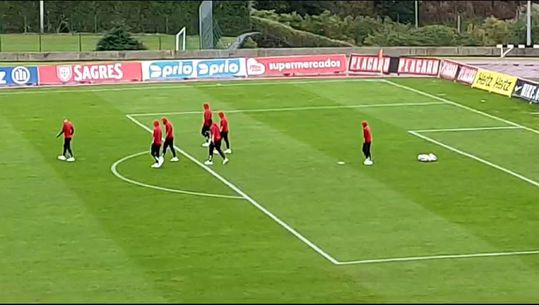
{"x":70,"y":151}
{"x":221,"y":153}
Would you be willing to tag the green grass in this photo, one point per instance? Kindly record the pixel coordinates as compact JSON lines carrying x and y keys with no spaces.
{"x":73,"y":232}
{"x":88,"y":42}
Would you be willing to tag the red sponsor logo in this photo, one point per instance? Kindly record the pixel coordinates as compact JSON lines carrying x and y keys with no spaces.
{"x":296,"y":65}
{"x":368,"y":63}
{"x":466,"y":74}
{"x":419,"y":66}
{"x":90,"y":73}
{"x":449,"y":70}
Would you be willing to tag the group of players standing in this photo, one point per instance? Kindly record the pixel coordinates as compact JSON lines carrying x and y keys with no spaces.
{"x":212,"y":133}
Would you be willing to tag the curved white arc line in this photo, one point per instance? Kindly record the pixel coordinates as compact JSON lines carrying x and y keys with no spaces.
{"x":117,"y":174}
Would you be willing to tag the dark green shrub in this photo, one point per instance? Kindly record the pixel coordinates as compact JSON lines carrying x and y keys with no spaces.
{"x":293,"y":37}
{"x":119,"y":39}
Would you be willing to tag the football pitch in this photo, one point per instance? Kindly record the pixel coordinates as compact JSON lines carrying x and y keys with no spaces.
{"x":284,"y":220}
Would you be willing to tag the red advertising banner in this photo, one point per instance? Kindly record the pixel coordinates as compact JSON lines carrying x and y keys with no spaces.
{"x":368,"y":64}
{"x":466,"y":74}
{"x":95,"y":73}
{"x":419,"y":66}
{"x":449,"y":70}
{"x":296,"y":65}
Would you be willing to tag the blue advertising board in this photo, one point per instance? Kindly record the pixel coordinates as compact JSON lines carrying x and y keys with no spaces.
{"x":18,"y":76}
{"x":195,"y":68}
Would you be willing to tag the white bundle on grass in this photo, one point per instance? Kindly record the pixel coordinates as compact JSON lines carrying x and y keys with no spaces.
{"x":427,"y":157}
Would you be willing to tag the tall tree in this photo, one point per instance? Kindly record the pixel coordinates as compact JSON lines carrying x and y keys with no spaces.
{"x":398,"y":10}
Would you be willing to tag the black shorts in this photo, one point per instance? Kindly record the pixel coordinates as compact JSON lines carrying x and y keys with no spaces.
{"x":155,"y":149}
{"x":367,"y":149}
{"x":205,"y":129}
{"x":67,"y":141}
{"x":169,"y":143}
{"x":216,"y":144}
{"x":224,"y":134}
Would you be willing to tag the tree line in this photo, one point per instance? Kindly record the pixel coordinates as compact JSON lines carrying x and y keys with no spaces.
{"x":232,"y":16}
{"x":403,"y":11}
{"x":377,"y":31}
{"x":377,"y":22}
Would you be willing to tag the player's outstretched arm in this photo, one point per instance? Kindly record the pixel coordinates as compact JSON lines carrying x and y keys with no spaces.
{"x":59,"y":134}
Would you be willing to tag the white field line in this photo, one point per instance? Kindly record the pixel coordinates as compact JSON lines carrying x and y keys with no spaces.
{"x":437,"y":257}
{"x":503,"y":169}
{"x":248,"y":198}
{"x":460,"y":105}
{"x":294,"y":108}
{"x":175,"y":85}
{"x":467,"y":129}
{"x":534,"y":112}
{"x":114,"y":170}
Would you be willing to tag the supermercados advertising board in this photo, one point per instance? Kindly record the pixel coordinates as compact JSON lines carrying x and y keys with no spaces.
{"x":297,"y":65}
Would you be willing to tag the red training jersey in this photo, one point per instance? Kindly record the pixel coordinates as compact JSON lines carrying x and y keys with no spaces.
{"x":224,"y":125}
{"x":69,"y":130}
{"x":215,"y":132}
{"x":207,"y":117}
{"x":157,"y":135}
{"x":367,"y":134}
{"x":170,"y":130}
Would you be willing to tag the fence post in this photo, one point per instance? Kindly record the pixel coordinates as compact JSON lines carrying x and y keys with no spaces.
{"x":80,"y":43}
{"x":159,"y":42}
{"x":0,"y":43}
{"x":39,"y":42}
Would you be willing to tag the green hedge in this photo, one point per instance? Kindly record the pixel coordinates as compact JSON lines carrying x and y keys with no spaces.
{"x":371,"y":31}
{"x":293,"y":37}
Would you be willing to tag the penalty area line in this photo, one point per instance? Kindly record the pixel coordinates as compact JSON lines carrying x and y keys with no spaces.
{"x":438,"y":257}
{"x":449,"y":102}
{"x":247,"y":197}
{"x":458,"y":151}
{"x":467,"y":129}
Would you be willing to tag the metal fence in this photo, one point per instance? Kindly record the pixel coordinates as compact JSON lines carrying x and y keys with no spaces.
{"x":80,"y":42}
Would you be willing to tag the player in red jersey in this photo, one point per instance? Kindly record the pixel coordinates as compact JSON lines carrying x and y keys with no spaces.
{"x":169,"y":140}
{"x":224,"y":131}
{"x":156,"y":144}
{"x":215,"y":144}
{"x":206,"y":125}
{"x":367,"y":140}
{"x":68,"y":130}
